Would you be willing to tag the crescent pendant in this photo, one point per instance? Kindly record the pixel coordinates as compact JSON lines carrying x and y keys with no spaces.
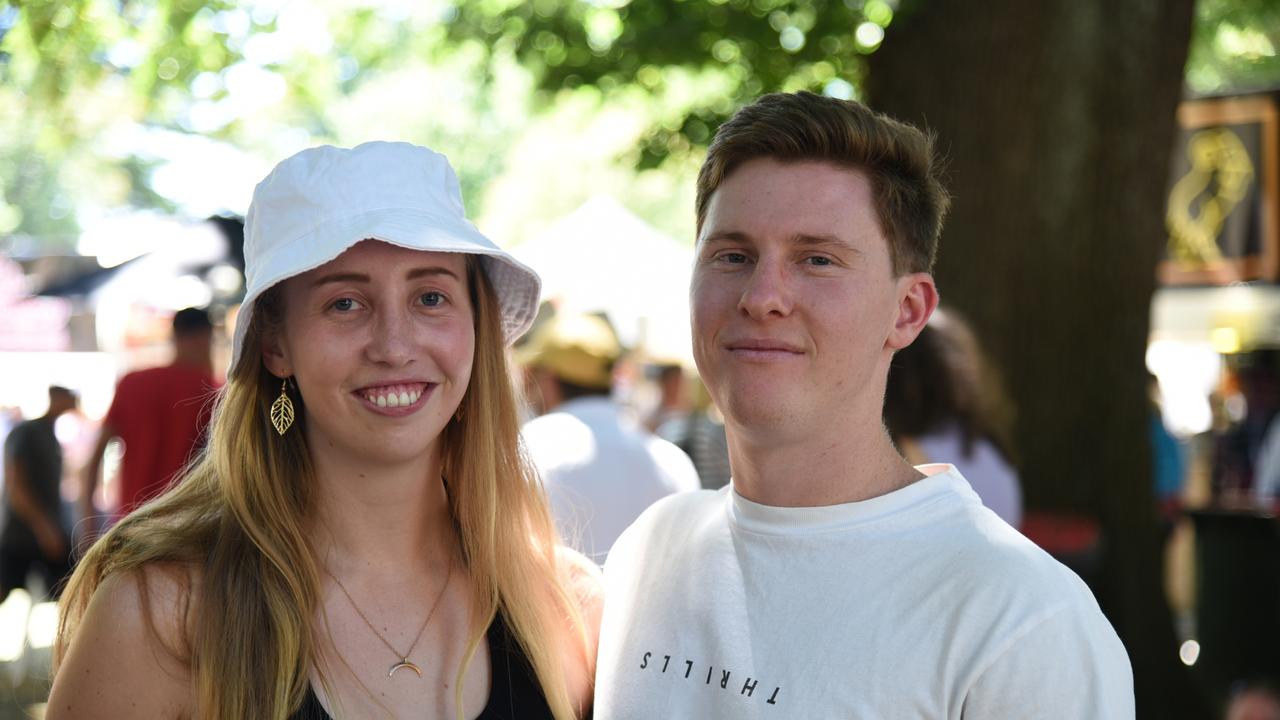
{"x":404,"y":664}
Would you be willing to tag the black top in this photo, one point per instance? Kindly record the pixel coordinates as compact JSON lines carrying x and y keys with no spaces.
{"x":33,"y":447}
{"x":514,"y":692}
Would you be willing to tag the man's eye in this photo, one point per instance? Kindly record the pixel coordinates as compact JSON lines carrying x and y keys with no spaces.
{"x":735,"y":258}
{"x":819,"y":260}
{"x":432,"y":299}
{"x":344,"y":304}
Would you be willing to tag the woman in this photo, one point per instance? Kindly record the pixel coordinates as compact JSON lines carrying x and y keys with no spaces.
{"x":943,"y":404}
{"x":362,"y":537}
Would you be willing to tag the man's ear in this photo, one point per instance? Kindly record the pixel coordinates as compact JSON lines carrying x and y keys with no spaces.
{"x":275,"y":357}
{"x":917,"y":299}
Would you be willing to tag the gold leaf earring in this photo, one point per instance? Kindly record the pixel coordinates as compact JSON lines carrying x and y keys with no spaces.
{"x":282,"y":409}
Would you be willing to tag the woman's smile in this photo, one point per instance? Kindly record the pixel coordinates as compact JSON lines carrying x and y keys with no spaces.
{"x":395,"y":399}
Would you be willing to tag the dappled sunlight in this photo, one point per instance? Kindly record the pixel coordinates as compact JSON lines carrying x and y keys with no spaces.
{"x":14,"y":613}
{"x":42,"y":625}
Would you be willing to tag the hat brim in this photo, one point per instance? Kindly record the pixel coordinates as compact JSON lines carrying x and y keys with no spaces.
{"x":516,"y":285}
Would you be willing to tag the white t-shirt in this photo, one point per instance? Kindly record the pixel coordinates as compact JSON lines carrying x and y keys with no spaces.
{"x":601,"y":470}
{"x":917,"y":604}
{"x":988,"y":473}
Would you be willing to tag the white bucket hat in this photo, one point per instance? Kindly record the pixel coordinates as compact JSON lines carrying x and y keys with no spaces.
{"x":320,"y":202}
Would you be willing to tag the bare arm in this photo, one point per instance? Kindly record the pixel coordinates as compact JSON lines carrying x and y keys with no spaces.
{"x":583,"y":580}
{"x":121,"y":662}
{"x":92,"y":469}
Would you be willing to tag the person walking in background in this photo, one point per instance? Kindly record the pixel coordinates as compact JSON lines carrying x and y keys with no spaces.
{"x":601,"y":469}
{"x":160,"y":414}
{"x":700,"y":434}
{"x":942,"y":405}
{"x":673,"y":402}
{"x":34,"y":533}
{"x":1241,"y":445}
{"x":1168,"y":461}
{"x":831,"y":579}
{"x":1253,"y":699}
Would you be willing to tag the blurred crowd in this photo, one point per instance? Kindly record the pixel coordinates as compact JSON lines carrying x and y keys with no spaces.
{"x":611,"y":430}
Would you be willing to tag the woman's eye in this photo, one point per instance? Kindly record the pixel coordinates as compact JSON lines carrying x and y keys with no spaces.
{"x":432,"y":299}
{"x":345,"y":304}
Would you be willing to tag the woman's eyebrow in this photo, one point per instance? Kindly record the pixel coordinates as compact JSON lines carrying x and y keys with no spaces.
{"x":418,"y":272}
{"x":340,"y":277}
{"x":355,"y":277}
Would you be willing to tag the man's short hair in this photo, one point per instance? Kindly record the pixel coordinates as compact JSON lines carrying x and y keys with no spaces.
{"x":897,"y":158}
{"x":191,"y":321}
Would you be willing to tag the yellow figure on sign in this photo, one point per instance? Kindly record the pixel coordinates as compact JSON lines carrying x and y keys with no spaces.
{"x":1194,"y":221}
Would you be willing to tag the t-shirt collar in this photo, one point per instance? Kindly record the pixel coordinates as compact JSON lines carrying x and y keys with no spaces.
{"x":940,"y":480}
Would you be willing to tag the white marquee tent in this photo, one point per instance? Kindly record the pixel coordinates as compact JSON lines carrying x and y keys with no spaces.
{"x":602,"y":258}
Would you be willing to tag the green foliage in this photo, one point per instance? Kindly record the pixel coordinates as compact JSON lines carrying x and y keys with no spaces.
{"x":69,"y":69}
{"x":1235,"y":46}
{"x":460,"y":75}
{"x":56,"y":49}
{"x":741,"y":47}
{"x":74,"y":74}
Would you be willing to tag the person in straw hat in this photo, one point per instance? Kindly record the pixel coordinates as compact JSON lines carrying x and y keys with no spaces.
{"x":362,"y":536}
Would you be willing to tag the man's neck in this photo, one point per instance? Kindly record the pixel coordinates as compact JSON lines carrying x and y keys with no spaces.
{"x":840,"y":465}
{"x":187,"y":358}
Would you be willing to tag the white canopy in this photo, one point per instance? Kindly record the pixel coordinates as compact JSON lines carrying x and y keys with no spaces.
{"x":602,"y":258}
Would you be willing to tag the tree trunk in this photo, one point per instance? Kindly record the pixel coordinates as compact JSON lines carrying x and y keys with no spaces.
{"x":1057,"y":120}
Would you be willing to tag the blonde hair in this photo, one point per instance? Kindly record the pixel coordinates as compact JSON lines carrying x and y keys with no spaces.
{"x":238,"y":513}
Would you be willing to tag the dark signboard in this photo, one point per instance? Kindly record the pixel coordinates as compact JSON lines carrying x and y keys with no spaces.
{"x":1223,"y":193}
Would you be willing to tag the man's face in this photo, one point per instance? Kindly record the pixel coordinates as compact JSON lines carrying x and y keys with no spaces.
{"x":795,"y":307}
{"x":1254,"y":705}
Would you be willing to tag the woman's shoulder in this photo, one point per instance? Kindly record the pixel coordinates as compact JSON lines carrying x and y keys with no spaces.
{"x":583,"y":579}
{"x":129,"y":655}
{"x":584,"y":582}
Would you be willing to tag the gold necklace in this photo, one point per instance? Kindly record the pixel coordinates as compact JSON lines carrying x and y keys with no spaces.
{"x":404,"y":657}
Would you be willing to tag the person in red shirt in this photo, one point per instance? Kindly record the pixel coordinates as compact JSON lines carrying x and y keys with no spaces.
{"x":160,"y":414}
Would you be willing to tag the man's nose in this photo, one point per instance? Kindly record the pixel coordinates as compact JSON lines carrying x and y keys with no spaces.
{"x":768,"y":291}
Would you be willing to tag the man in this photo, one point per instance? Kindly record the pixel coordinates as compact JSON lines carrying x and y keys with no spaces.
{"x":34,"y":534}
{"x":1253,"y":699}
{"x":601,"y":469}
{"x":673,"y":401}
{"x":831,"y":579}
{"x":160,"y":414}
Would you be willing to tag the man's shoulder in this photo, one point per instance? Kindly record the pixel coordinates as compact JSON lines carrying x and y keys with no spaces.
{"x":681,"y":507}
{"x":134,"y":390}
{"x":672,"y":520}
{"x":138,"y":381}
{"x":982,"y":552}
{"x":175,"y":373}
{"x":144,"y":374}
{"x":19,"y":436}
